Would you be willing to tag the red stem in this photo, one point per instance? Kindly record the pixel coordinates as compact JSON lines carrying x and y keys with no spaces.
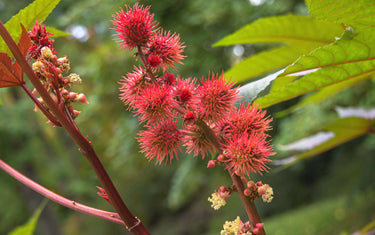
{"x":145,"y":63}
{"x":110,"y":216}
{"x":249,"y":205}
{"x":133,"y":223}
{"x":40,"y":106}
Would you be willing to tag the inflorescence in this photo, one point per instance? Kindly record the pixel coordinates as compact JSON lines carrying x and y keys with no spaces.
{"x":181,"y":112}
{"x":53,"y":72}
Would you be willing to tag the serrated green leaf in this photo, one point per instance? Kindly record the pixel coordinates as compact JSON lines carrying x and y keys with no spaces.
{"x":290,"y":29}
{"x":325,"y":93}
{"x":317,"y":80}
{"x":357,"y":13}
{"x":344,"y":130}
{"x":267,"y":61}
{"x":29,"y":227}
{"x":57,"y":33}
{"x":344,"y":60}
{"x":343,"y":51}
{"x":38,"y":10}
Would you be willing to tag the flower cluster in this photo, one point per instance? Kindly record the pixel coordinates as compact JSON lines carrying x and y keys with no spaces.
{"x":176,"y":111}
{"x":53,"y":72}
{"x":237,"y":227}
{"x":258,"y":189}
{"x":40,"y":38}
{"x":219,"y":198}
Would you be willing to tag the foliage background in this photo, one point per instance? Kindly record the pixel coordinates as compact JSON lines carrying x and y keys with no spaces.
{"x":329,"y":194}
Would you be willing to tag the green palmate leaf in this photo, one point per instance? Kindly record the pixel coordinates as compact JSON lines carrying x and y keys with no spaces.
{"x":344,"y":130}
{"x":290,"y":29}
{"x":357,"y":13}
{"x":350,"y":58}
{"x":267,"y":61}
{"x":326,"y":92}
{"x":38,"y":10}
{"x":29,"y":227}
{"x":302,"y":33}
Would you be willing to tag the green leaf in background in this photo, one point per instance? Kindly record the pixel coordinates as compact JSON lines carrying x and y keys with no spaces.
{"x":324,"y":93}
{"x":344,"y":130}
{"x":348,"y":60}
{"x":290,"y":29}
{"x":267,"y":61}
{"x":29,"y":227}
{"x":368,"y":228}
{"x":357,"y":13}
{"x":57,"y":32}
{"x":302,"y":34}
{"x":38,"y":10}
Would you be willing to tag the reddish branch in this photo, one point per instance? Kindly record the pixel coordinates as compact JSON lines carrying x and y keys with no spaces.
{"x":110,"y":216}
{"x":133,"y":223}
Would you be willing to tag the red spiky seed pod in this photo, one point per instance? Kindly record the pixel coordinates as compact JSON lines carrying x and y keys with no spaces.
{"x":161,"y":141}
{"x":131,"y":86}
{"x":244,"y":118}
{"x":247,"y":153}
{"x":168,"y":47}
{"x":216,"y":97}
{"x":134,"y":27}
{"x":197,"y":142}
{"x":154,"y":103}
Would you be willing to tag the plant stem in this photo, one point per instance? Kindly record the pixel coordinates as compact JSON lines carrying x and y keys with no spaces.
{"x":40,"y":106}
{"x":145,"y":63}
{"x":249,"y":205}
{"x":110,"y":216}
{"x":133,"y":223}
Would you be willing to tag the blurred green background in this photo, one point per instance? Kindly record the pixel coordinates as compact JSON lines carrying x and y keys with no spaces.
{"x":333,"y":193}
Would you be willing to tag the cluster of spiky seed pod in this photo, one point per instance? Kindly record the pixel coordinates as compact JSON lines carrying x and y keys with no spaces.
{"x":161,"y":98}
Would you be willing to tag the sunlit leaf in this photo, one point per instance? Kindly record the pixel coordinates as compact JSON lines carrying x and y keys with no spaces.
{"x":38,"y":10}
{"x":324,"y":93}
{"x":29,"y":227}
{"x":290,"y":29}
{"x":344,"y":130}
{"x":344,"y":60}
{"x":57,"y":33}
{"x":267,"y":61}
{"x":354,"y":13}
